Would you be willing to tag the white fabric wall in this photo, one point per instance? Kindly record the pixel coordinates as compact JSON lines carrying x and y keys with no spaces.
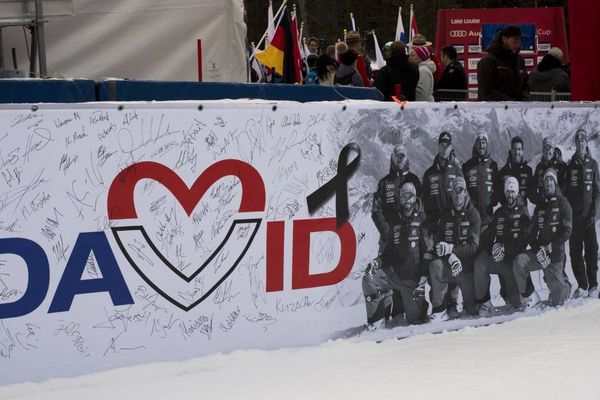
{"x":138,"y":39}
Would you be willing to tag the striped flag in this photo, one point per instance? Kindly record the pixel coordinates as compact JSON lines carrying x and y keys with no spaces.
{"x":400,"y":34}
{"x":414,"y":30}
{"x":279,"y":53}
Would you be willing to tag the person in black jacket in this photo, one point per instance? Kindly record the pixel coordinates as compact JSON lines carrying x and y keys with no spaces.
{"x":501,"y":74}
{"x":501,"y":242}
{"x":387,"y":205}
{"x":453,"y":77}
{"x":551,"y":227}
{"x":480,"y":173}
{"x":515,"y":166}
{"x":550,"y":159}
{"x":582,"y":189}
{"x":400,"y":266}
{"x":549,"y":74}
{"x":386,"y":200}
{"x":438,"y":181}
{"x":398,"y":73}
{"x":456,"y":244}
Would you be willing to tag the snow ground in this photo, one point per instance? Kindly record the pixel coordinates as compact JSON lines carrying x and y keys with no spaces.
{"x":554,"y":355}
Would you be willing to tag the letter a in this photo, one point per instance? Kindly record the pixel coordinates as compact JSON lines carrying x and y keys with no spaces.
{"x":71,"y":283}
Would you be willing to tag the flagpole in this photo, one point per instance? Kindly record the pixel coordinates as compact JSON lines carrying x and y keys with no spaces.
{"x":267,"y":31}
{"x":410,"y":23}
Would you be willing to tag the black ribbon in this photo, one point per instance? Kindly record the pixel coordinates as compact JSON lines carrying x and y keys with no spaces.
{"x":338,"y":185}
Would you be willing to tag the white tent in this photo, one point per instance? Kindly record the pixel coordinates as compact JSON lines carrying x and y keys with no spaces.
{"x":135,"y":39}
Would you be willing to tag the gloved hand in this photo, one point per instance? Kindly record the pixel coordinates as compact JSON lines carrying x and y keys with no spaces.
{"x":443,"y":249}
{"x":373,"y":266}
{"x":455,"y":265}
{"x":498,"y":252}
{"x":543,"y":257}
{"x":419,"y":292}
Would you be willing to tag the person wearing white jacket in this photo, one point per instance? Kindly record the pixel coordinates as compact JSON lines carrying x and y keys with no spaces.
{"x":420,"y":55}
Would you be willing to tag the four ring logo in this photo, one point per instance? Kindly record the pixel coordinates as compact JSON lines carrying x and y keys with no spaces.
{"x":458,"y":34}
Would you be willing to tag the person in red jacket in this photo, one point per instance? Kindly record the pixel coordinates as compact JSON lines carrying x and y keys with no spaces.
{"x":551,"y":227}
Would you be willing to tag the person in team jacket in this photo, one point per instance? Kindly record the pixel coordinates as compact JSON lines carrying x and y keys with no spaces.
{"x":501,"y":242}
{"x":551,"y":227}
{"x":480,"y":173}
{"x":549,"y":159}
{"x":438,"y":182}
{"x":386,"y":200}
{"x":400,"y":266}
{"x":582,"y":189}
{"x":456,"y":243}
{"x":515,"y":166}
{"x":387,"y":205}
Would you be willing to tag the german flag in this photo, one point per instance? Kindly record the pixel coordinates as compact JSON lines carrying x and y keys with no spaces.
{"x":279,"y":53}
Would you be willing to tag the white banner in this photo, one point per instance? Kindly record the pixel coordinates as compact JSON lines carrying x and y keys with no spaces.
{"x":166,"y":231}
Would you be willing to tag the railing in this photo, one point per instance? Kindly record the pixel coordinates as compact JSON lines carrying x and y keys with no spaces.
{"x":463,"y":95}
{"x":549,"y":96}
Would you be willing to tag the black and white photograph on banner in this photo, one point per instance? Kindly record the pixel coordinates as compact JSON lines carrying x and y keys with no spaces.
{"x":271,"y":199}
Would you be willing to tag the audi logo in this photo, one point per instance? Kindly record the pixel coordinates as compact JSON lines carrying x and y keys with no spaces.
{"x":458,"y":34}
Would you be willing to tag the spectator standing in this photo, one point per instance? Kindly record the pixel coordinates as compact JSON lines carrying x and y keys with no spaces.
{"x":326,"y":68}
{"x":453,"y":77}
{"x":420,"y":56}
{"x":549,"y":74}
{"x":363,"y":63}
{"x":398,"y":71}
{"x":501,"y":74}
{"x":313,"y":45}
{"x":346,"y":74}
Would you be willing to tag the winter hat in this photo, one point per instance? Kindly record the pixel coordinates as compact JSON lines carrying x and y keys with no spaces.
{"x":512,"y":184}
{"x":422,"y":52}
{"x":400,"y":149}
{"x":408,"y":187}
{"x":581,"y":134}
{"x":551,"y":172}
{"x":556,"y":52}
{"x":547,"y":142}
{"x":460,"y":182}
{"x":445,"y":137}
{"x":482,"y":135}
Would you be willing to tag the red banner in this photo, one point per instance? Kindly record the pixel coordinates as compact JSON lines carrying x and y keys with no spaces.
{"x":462,"y":29}
{"x":584,"y":18}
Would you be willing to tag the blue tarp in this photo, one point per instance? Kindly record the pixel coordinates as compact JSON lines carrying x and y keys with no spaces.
{"x":47,"y":90}
{"x":163,"y":91}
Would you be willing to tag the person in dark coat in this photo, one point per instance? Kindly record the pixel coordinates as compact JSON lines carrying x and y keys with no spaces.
{"x":582,"y":189}
{"x":480,"y":173}
{"x":501,"y":74}
{"x":400,"y":266}
{"x":516,"y":166}
{"x":501,"y":242}
{"x":550,"y":159}
{"x":398,"y":71}
{"x":551,"y":226}
{"x":549,"y":74}
{"x":456,"y":243}
{"x":453,"y":77}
